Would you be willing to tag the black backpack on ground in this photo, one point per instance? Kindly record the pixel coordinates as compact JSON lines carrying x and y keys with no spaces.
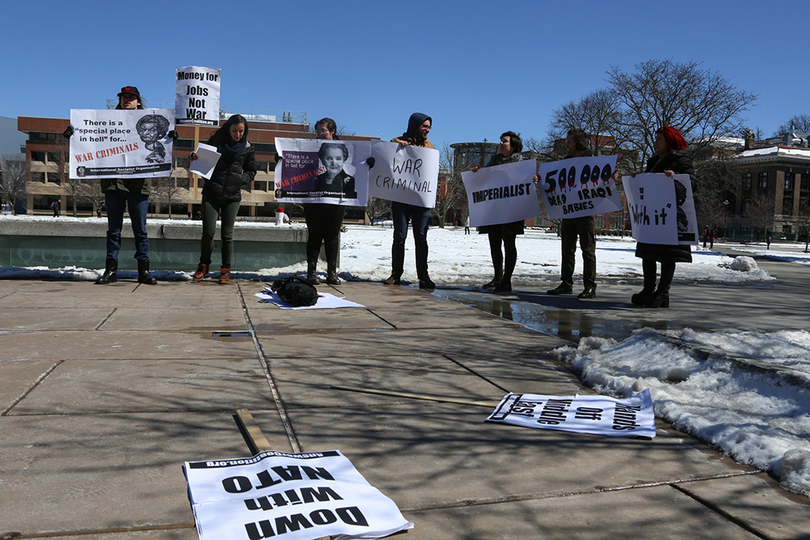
{"x":295,"y":291}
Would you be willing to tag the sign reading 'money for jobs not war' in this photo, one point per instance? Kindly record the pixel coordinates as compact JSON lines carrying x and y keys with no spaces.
{"x":196,"y":96}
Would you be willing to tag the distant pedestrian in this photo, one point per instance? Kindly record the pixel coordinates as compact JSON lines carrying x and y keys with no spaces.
{"x":712,"y":236}
{"x":768,"y":239}
{"x":467,"y":225}
{"x":55,"y":207}
{"x":705,"y":236}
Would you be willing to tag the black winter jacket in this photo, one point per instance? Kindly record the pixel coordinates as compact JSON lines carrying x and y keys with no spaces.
{"x":228,"y":179}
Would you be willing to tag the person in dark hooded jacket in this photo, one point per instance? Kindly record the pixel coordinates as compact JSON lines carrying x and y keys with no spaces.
{"x":419,"y":126}
{"x":222,"y":193}
{"x":670,"y":158}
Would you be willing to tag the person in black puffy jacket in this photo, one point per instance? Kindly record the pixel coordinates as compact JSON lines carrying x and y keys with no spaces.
{"x":222,"y":193}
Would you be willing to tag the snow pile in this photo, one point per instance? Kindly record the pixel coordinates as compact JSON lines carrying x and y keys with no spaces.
{"x":749,"y":398}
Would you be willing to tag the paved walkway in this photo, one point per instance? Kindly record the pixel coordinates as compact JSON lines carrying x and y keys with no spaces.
{"x":106,"y":391}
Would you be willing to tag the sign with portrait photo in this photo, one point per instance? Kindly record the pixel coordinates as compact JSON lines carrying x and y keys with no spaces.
{"x":322,"y":171}
{"x":121,"y":143}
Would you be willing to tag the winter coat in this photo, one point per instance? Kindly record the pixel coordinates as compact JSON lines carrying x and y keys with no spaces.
{"x":141,"y":186}
{"x":228,"y":179}
{"x":679,"y":162}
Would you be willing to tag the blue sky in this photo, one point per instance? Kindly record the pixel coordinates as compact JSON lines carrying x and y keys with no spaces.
{"x":478,"y":68}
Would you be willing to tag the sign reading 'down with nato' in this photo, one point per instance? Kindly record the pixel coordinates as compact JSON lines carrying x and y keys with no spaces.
{"x":121,"y":143}
{"x":501,"y":194}
{"x":406,"y":174}
{"x":288,"y":496}
{"x":196,"y":96}
{"x":596,"y":415}
{"x":578,"y":187}
{"x":662,"y":208}
{"x":322,"y":171}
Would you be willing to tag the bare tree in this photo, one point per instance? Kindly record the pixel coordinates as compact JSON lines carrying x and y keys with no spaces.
{"x":166,"y":191}
{"x":15,"y":171}
{"x":450,"y":192}
{"x":597,"y":114}
{"x":759,"y":212}
{"x":377,"y":208}
{"x":799,"y":123}
{"x":701,"y":104}
{"x":718,"y":183}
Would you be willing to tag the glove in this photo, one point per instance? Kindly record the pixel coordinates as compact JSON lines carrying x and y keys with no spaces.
{"x":173,"y":134}
{"x":370,"y":162}
{"x":68,"y":132}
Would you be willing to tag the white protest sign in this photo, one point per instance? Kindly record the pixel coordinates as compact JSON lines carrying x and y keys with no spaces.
{"x":196,"y":96}
{"x":501,"y":194}
{"x":292,"y":496}
{"x":405,"y":174}
{"x":207,"y":158}
{"x":322,"y":171}
{"x":596,"y":415}
{"x":579,"y":187}
{"x":656,"y":215}
{"x":121,"y":143}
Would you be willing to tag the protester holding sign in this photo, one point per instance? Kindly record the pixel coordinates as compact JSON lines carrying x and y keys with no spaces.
{"x":120,"y":194}
{"x":670,"y":158}
{"x":583,"y":227}
{"x":324,"y":220}
{"x":222,"y":193}
{"x":509,"y":151}
{"x":419,"y":126}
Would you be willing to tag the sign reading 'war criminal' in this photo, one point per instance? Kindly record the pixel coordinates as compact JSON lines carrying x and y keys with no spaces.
{"x":288,"y":496}
{"x":196,"y":96}
{"x":121,"y":143}
{"x":406,"y":174}
{"x":578,"y":187}
{"x":596,"y":415}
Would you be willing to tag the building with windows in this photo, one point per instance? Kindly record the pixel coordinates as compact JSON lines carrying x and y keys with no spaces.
{"x":47,"y":151}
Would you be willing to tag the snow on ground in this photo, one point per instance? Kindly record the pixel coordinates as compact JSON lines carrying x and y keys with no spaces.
{"x":755,"y":417}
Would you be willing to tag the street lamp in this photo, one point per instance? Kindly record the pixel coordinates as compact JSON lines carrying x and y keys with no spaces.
{"x":725,"y":218}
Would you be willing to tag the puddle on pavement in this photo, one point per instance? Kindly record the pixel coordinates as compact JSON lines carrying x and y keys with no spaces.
{"x":569,"y":324}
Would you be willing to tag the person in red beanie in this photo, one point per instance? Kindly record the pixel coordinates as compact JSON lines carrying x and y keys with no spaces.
{"x":670,"y":158}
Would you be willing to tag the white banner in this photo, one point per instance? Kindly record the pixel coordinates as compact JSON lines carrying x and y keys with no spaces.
{"x":290,"y":496}
{"x":121,"y":143}
{"x":597,"y":415}
{"x":501,"y":194}
{"x":406,"y":174}
{"x":662,"y":208}
{"x":579,"y":187}
{"x":322,"y":171}
{"x":196,"y":96}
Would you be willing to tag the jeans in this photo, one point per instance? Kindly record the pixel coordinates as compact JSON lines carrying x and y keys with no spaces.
{"x":212,"y":207}
{"x":117,"y":202}
{"x":419,"y":217}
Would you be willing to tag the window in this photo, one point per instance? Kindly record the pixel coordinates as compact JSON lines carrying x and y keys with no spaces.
{"x":805,"y":185}
{"x":790,"y":181}
{"x":763,"y":180}
{"x":747,"y":179}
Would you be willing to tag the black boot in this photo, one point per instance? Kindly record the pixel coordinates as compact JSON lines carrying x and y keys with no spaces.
{"x":660,"y":299}
{"x":110,"y":274}
{"x":312,"y":273}
{"x":495,"y":281}
{"x":143,"y":274}
{"x":331,"y":273}
{"x":642,"y":297}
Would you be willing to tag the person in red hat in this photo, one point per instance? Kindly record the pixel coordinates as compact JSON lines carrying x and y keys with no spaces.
{"x":123,"y":193}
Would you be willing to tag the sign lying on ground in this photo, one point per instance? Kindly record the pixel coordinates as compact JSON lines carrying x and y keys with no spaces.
{"x":597,"y":415}
{"x":288,"y":496}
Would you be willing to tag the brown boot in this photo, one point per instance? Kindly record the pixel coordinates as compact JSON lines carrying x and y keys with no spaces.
{"x":199,"y":274}
{"x":224,"y":276}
